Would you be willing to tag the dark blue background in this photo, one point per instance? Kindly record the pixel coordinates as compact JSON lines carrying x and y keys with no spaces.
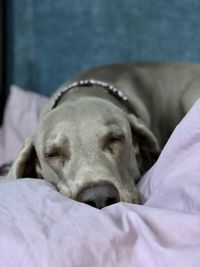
{"x":50,"y":41}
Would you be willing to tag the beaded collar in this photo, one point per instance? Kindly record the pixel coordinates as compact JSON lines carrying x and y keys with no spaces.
{"x":108,"y":87}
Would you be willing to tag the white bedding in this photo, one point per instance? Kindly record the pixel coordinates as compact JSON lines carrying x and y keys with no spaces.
{"x":19,"y":122}
{"x":40,"y":227}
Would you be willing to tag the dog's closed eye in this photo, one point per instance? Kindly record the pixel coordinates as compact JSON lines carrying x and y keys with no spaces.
{"x":52,"y":154}
{"x":113,"y":143}
{"x":57,"y":154}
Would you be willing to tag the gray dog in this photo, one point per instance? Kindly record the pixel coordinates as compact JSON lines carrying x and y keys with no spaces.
{"x":102,"y":130}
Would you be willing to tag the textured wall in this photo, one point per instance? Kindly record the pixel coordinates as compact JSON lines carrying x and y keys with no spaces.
{"x":49,"y":41}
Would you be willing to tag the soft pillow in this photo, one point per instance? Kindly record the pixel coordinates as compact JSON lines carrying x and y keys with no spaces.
{"x":40,"y":227}
{"x":19,"y":122}
{"x":174,"y":181}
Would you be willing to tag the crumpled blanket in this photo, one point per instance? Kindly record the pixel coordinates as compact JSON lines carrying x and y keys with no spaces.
{"x":40,"y":227}
{"x":19,"y":122}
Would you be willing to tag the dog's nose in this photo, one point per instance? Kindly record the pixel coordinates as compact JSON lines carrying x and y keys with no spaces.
{"x":99,"y":196}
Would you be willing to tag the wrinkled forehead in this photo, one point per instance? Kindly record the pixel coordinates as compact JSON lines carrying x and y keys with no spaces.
{"x":84,"y":114}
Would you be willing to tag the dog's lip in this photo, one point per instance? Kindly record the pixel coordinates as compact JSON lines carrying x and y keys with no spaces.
{"x":64,"y":189}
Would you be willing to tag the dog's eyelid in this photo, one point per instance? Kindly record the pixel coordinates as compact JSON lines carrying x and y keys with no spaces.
{"x":56,"y":152}
{"x":116,"y":136}
{"x":51,"y":154}
{"x":111,"y":140}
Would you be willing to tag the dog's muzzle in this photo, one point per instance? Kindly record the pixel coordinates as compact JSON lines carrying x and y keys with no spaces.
{"x":98,"y":195}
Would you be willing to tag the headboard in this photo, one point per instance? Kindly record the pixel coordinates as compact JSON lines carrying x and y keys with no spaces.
{"x":50,"y":41}
{"x":2,"y":92}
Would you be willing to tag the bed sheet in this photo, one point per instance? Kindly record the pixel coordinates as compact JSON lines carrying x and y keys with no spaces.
{"x":19,"y":122}
{"x":40,"y":227}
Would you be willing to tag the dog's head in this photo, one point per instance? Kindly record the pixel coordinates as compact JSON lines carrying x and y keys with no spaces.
{"x":91,"y":150}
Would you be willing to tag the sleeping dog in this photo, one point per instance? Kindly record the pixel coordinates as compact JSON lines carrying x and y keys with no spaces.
{"x":102,"y":130}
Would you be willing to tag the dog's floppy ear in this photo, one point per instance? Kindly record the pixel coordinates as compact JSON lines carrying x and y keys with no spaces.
{"x":147,"y":145}
{"x":25,"y":164}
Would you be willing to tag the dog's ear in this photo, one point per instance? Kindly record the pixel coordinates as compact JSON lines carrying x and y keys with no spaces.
{"x":146,"y":144}
{"x":25,"y":164}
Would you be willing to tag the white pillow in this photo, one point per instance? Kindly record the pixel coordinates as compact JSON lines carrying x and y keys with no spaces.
{"x":19,"y":122}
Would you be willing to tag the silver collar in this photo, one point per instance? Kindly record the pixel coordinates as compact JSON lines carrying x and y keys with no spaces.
{"x":110,"y":88}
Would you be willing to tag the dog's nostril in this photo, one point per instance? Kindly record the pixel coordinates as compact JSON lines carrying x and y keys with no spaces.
{"x":111,"y":200}
{"x":99,"y":195}
{"x":90,"y":203}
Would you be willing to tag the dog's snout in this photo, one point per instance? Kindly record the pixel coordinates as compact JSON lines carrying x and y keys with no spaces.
{"x":99,"y":195}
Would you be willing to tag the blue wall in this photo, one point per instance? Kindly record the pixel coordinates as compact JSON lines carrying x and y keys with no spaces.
{"x":50,"y":41}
